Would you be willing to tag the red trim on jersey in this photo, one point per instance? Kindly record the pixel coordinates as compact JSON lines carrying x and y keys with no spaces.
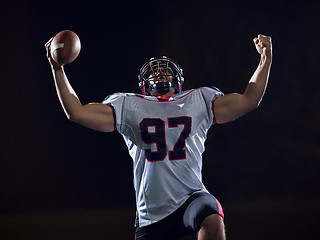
{"x":157,"y":99}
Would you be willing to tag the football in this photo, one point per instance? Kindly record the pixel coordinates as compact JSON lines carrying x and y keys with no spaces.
{"x":65,"y":47}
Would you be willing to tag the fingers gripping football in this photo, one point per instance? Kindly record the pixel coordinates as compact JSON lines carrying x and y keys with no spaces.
{"x":49,"y":57}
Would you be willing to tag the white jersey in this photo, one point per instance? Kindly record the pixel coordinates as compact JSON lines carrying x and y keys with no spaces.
{"x":165,"y":139}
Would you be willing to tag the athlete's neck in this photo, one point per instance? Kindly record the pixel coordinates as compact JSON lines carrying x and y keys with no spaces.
{"x":166,"y":95}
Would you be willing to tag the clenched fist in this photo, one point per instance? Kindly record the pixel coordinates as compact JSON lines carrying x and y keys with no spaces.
{"x":263,"y":45}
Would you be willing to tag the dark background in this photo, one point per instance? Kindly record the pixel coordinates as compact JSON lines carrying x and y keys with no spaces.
{"x":59,"y":180}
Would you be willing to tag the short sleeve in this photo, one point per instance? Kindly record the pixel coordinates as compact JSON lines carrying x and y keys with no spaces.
{"x":210,"y":94}
{"x":116,"y":101}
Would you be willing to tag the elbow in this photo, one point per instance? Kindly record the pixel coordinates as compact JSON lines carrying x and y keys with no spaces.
{"x":73,"y":117}
{"x":73,"y":114}
{"x":252,"y":105}
{"x":257,"y":103}
{"x":252,"y":99}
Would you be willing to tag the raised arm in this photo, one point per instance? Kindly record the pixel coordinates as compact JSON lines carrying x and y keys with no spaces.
{"x":97,"y":116}
{"x":234,"y":105}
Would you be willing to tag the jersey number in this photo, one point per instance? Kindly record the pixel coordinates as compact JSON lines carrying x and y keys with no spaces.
{"x":153,"y":131}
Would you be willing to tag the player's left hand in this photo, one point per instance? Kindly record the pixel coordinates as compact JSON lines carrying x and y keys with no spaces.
{"x":263,"y":45}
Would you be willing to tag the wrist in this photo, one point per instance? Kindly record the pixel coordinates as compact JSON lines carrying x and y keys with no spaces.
{"x":265,"y":59}
{"x":56,"y":68}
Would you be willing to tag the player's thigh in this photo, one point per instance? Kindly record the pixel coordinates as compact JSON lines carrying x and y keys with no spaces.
{"x":212,"y":228}
{"x":165,"y":229}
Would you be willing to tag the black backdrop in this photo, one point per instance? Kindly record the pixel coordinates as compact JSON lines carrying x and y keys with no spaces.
{"x":50,"y":164}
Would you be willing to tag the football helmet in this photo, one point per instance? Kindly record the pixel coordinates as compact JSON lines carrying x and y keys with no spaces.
{"x":160,"y":67}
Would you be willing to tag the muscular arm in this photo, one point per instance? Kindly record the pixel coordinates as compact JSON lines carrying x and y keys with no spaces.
{"x":234,"y":105}
{"x":97,"y":116}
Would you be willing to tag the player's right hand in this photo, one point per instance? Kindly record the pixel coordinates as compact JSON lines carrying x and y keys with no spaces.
{"x":53,"y":64}
{"x":263,"y":45}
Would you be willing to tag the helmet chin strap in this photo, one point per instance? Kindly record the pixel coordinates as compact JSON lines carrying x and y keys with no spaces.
{"x":161,"y":87}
